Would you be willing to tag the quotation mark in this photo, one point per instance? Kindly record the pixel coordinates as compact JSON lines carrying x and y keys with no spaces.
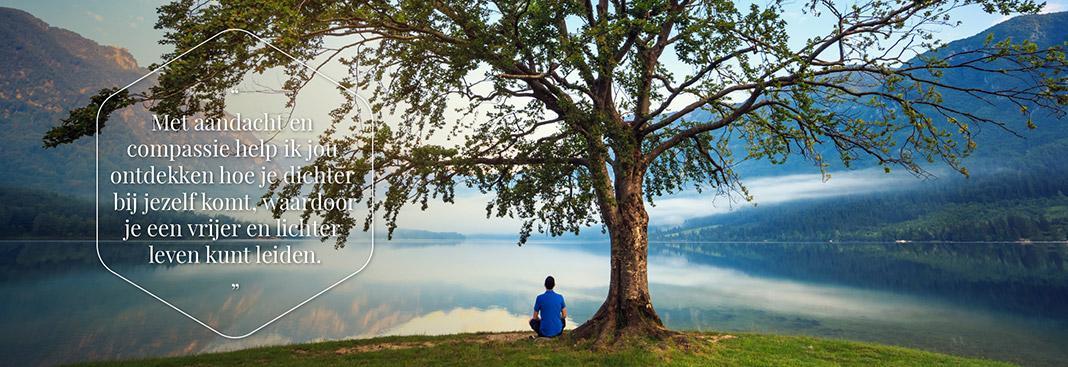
{"x":235,"y":286}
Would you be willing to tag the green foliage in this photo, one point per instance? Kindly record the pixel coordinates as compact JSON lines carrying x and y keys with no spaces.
{"x":83,"y":120}
{"x":556,"y":107}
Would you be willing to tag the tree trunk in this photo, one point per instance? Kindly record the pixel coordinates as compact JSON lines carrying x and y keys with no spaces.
{"x":628,"y":310}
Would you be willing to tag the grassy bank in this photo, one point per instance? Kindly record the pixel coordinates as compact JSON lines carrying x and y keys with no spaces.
{"x":518,"y":350}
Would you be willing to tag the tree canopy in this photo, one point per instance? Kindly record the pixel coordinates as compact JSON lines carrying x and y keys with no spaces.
{"x":545,"y":104}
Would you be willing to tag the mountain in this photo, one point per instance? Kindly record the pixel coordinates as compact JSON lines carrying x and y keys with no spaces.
{"x":44,"y":73}
{"x":47,"y":71}
{"x":996,"y":146}
{"x":1045,"y":30}
{"x":1017,"y":190}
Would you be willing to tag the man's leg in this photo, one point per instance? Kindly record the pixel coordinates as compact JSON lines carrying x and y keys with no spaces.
{"x":563,"y":324}
{"x":536,"y":325}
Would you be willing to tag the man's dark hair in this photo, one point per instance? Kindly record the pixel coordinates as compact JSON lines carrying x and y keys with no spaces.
{"x":550,"y":282}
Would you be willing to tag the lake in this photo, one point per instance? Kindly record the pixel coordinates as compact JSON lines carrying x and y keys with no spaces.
{"x":1000,"y":301}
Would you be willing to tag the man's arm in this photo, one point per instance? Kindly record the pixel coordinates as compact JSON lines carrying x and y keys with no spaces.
{"x":534,"y":316}
{"x":563,"y":313}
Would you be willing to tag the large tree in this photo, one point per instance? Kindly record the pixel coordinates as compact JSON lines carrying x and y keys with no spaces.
{"x":573,"y":113}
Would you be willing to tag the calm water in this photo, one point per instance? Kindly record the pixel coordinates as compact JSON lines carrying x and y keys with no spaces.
{"x":1002,"y":301}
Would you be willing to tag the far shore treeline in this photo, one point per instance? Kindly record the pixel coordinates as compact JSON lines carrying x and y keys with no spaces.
{"x":37,"y":214}
{"x":1029,"y":203}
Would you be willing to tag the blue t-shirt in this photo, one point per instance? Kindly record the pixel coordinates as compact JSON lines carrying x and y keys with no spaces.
{"x":550,"y":305}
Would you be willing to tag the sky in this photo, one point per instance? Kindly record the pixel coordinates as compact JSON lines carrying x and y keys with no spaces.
{"x":129,"y":24}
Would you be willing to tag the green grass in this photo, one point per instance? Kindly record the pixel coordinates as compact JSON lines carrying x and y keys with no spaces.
{"x":514,"y":349}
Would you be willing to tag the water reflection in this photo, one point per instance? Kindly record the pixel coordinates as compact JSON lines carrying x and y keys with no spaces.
{"x":462,"y":320}
{"x":998,"y":301}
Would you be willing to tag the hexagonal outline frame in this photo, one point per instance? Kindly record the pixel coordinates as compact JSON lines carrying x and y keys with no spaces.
{"x":158,"y":298}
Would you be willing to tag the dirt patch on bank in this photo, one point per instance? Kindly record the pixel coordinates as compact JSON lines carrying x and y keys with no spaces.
{"x":501,"y":337}
{"x":364,"y":348}
{"x":476,"y":338}
{"x":717,"y":338}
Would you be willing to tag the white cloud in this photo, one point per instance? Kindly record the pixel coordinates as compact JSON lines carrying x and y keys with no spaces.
{"x":98,"y":17}
{"x":1053,"y":7}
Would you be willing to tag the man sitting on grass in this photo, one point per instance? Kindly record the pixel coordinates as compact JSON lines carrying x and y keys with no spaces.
{"x":549,"y":312}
